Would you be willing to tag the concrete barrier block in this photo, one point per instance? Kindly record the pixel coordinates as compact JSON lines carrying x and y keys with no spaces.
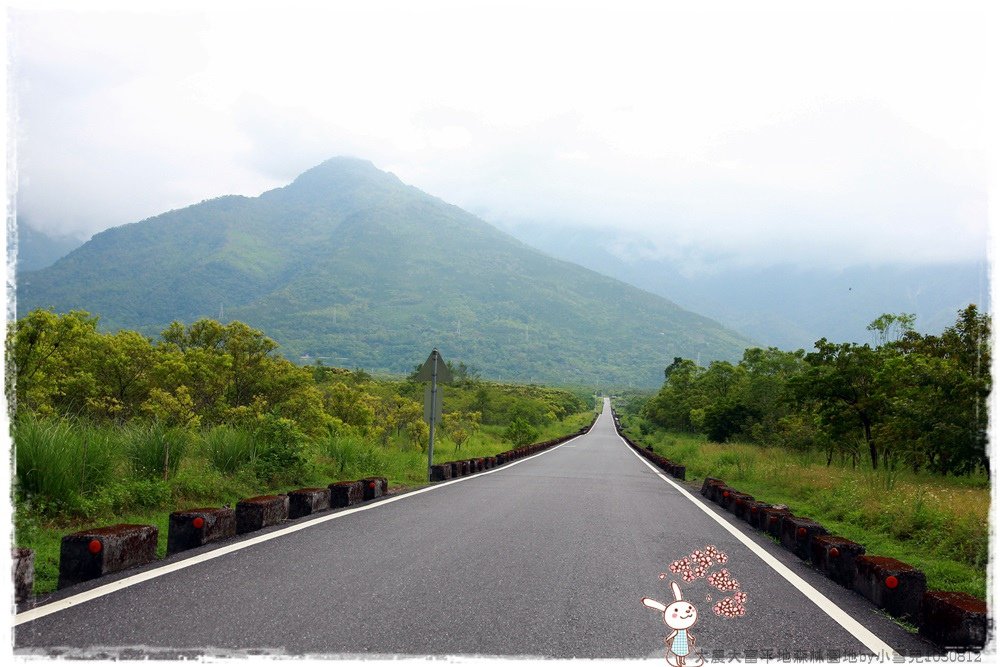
{"x":259,"y":512}
{"x":680,"y":472}
{"x":706,"y":486}
{"x":456,"y":468}
{"x":440,"y":472}
{"x":96,"y":552}
{"x":344,"y":494}
{"x":797,"y":532}
{"x":374,"y":487}
{"x":772,"y":520}
{"x":953,"y":620}
{"x":721,"y":493}
{"x":491,"y":462}
{"x":891,"y":585}
{"x":834,"y":556}
{"x":192,"y":528}
{"x":730,"y":497}
{"x":303,"y":502}
{"x":752,"y":512}
{"x":23,"y":571}
{"x":740,"y":505}
{"x":466,"y":468}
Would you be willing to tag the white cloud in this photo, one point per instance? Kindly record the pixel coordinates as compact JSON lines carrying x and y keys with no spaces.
{"x":835,"y":136}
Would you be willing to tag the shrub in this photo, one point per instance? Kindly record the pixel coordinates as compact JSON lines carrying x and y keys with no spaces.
{"x":280,"y":451}
{"x":520,"y":432}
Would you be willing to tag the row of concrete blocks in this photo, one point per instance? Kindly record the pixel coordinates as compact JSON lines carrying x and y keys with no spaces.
{"x":672,"y":468}
{"x":96,"y":552}
{"x":949,"y":619}
{"x":443,"y":471}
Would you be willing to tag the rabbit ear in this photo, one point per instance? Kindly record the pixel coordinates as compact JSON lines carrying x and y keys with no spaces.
{"x":658,"y":606}
{"x":677,"y":591}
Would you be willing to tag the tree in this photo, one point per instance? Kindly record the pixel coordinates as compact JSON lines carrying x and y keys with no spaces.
{"x":842,"y":380}
{"x":460,"y":426}
{"x":52,"y":361}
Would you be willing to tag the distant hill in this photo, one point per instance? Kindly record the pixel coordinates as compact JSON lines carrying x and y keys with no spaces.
{"x":37,"y":250}
{"x":785,"y":306}
{"x":349,"y":265}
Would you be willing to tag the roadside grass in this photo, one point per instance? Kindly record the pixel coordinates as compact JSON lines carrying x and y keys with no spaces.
{"x":75,"y":476}
{"x":937,"y":524}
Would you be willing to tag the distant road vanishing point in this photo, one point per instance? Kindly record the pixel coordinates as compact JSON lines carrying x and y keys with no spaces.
{"x":548,"y":556}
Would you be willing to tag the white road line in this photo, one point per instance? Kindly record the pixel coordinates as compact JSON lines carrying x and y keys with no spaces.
{"x":100,"y":591}
{"x":846,"y":621}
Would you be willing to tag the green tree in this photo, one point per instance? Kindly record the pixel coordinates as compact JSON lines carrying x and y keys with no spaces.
{"x":842,"y":380}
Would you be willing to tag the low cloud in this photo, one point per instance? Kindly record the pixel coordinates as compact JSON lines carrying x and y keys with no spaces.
{"x":694,"y":137}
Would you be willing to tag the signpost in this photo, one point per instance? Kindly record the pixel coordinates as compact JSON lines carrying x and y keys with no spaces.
{"x":434,"y":370}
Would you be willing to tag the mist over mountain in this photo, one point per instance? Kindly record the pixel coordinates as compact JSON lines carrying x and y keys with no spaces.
{"x":349,"y":265}
{"x":783,"y":305}
{"x":36,"y":250}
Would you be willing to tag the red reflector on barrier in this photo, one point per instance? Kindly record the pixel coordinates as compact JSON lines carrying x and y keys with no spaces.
{"x":834,"y":552}
{"x":371,"y":485}
{"x":198,"y":522}
{"x":891,"y":582}
{"x":801,"y":532}
{"x":725,"y":494}
{"x":94,"y":547}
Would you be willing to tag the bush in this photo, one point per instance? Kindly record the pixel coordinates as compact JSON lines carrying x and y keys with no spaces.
{"x":126,"y":495}
{"x":280,"y":451}
{"x":520,"y":432}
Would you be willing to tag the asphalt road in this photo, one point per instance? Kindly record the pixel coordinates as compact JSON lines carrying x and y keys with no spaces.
{"x":548,"y":556}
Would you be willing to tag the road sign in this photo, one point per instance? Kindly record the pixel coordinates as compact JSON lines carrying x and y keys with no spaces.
{"x":426,"y":373}
{"x":434,"y":370}
{"x":435,"y":398}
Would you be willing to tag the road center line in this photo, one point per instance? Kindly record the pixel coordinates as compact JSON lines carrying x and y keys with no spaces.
{"x":106,"y":589}
{"x":882,"y":650}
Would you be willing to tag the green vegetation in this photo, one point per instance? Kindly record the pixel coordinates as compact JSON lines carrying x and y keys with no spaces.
{"x":349,"y":265}
{"x":112,"y":428}
{"x":936,"y":523}
{"x":883,"y":444}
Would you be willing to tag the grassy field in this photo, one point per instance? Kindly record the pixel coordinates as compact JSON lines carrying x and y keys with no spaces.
{"x":937,"y":524}
{"x":210,"y":471}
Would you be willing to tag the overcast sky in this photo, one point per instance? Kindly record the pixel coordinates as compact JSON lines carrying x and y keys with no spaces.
{"x":834,"y":137}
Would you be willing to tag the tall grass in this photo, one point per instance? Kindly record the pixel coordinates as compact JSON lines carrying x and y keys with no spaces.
{"x":59,"y":461}
{"x":154,"y":450}
{"x":230,"y":449}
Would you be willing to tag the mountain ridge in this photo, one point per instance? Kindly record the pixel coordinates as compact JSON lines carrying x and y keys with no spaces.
{"x":348,"y":263}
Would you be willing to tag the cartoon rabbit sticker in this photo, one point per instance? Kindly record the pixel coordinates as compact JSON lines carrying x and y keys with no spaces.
{"x":679,"y":617}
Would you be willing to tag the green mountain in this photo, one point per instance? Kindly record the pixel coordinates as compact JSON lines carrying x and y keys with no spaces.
{"x":350,"y":265}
